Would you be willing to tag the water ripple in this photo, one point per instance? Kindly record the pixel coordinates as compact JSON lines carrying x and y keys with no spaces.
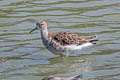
{"x":23,"y":56}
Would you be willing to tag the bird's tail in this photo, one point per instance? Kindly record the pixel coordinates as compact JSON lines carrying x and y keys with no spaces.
{"x":94,"y":41}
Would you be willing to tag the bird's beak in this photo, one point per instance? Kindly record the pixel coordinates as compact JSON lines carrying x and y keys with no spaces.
{"x":33,"y":30}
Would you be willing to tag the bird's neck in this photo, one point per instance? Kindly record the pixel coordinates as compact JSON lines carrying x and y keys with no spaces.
{"x":44,"y":33}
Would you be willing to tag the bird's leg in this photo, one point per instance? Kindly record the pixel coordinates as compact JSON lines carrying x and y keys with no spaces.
{"x":68,"y":52}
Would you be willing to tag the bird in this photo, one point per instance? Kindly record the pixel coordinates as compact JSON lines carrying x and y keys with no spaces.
{"x":78,"y":77}
{"x":62,"y":43}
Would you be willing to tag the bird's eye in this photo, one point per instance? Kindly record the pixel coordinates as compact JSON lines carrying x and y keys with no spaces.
{"x":41,"y":24}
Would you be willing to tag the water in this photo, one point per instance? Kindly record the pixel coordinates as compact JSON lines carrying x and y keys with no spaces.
{"x":23,"y":56}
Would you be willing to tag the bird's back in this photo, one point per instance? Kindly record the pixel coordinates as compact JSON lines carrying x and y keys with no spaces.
{"x":67,"y":38}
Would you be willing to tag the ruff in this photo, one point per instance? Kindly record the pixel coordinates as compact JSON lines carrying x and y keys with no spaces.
{"x":61,"y":42}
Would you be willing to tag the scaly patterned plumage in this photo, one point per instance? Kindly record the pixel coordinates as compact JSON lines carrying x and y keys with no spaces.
{"x":67,"y":38}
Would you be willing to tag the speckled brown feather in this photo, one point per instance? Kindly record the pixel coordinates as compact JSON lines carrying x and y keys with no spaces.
{"x":67,"y":38}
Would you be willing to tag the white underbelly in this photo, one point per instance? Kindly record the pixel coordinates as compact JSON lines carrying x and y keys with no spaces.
{"x":78,"y":47}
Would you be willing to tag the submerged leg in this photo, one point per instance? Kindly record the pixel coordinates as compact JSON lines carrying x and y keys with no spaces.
{"x":67,"y":52}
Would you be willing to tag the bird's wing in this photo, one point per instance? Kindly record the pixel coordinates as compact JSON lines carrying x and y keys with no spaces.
{"x":67,"y":38}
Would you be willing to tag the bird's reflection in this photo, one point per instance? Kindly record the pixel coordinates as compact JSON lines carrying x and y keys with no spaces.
{"x":66,"y":65}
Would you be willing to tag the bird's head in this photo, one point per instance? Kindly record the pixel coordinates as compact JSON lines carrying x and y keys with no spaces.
{"x":40,"y":25}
